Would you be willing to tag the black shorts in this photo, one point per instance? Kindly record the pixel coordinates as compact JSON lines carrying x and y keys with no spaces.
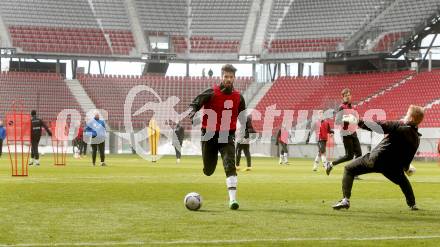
{"x":210,"y":150}
{"x":322,"y":146}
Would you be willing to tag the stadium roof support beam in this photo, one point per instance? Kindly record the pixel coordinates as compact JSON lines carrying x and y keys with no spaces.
{"x":4,"y":35}
{"x":428,"y":50}
{"x":432,"y":27}
{"x":188,"y":30}
{"x":351,"y":42}
{"x":263,"y":21}
{"x":249,"y":31}
{"x":74,"y":65}
{"x":136,"y":28}
{"x":276,"y":72}
{"x":99,"y":66}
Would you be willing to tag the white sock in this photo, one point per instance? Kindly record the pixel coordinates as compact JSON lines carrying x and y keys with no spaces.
{"x":31,"y":161}
{"x":37,"y":161}
{"x":317,"y":158}
{"x":285,"y":157}
{"x":231,"y":184}
{"x":323,"y":158}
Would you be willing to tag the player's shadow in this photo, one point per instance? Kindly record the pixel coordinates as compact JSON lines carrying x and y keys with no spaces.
{"x":282,"y":211}
{"x":208,"y":211}
{"x":222,"y":211}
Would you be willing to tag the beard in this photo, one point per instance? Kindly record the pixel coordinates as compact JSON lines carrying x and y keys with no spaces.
{"x":226,"y":89}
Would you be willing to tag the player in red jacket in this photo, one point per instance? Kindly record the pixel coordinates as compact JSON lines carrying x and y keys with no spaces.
{"x":322,"y":129}
{"x":282,"y":140}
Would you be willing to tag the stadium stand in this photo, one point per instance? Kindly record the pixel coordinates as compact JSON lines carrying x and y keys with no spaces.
{"x":223,"y":20}
{"x":395,"y":102}
{"x":303,"y":45}
{"x":109,"y":93}
{"x":432,"y":117}
{"x":386,"y":43}
{"x":398,"y":22}
{"x":207,"y":44}
{"x":316,"y":25}
{"x":405,"y":15}
{"x":307,"y":93}
{"x":166,"y":16}
{"x":209,"y":26}
{"x":180,"y":44}
{"x":71,"y":40}
{"x":69,"y":27}
{"x":44,"y":92}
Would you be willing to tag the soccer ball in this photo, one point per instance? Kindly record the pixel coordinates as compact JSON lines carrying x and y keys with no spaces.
{"x":350,"y":118}
{"x":193,"y":201}
{"x":76,"y":155}
{"x":411,"y":170}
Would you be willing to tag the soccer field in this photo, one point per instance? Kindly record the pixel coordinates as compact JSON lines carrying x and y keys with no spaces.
{"x":133,"y":202}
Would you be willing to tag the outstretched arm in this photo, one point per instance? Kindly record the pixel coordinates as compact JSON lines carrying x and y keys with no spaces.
{"x":46,"y":128}
{"x":384,"y":127}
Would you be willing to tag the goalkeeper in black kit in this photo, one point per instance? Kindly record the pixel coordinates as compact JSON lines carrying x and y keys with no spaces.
{"x":391,"y":157}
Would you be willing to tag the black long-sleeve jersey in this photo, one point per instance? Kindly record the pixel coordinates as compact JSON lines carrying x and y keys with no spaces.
{"x":36,"y":127}
{"x":399,"y":145}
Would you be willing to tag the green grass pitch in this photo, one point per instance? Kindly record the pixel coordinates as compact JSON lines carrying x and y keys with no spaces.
{"x":133,"y":202}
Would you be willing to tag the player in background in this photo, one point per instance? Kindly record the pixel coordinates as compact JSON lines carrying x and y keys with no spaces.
{"x":391,"y":157}
{"x":2,"y":137}
{"x":36,"y":129}
{"x":96,"y":130}
{"x":282,"y":139}
{"x":82,"y":143}
{"x":438,"y":147}
{"x":218,"y":133}
{"x":78,"y":143}
{"x":243,"y":144}
{"x":438,"y":152}
{"x":153,"y":138}
{"x":351,"y":142}
{"x":179,"y":134}
{"x":322,"y":129}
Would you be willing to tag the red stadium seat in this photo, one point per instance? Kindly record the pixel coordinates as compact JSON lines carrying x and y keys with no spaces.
{"x":70,"y":40}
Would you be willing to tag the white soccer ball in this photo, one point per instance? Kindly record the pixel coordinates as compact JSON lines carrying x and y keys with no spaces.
{"x":76,"y":155}
{"x":193,"y":201}
{"x":350,"y":118}
{"x":411,"y":170}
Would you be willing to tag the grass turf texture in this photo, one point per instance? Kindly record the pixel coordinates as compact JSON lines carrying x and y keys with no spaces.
{"x":133,"y":202}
